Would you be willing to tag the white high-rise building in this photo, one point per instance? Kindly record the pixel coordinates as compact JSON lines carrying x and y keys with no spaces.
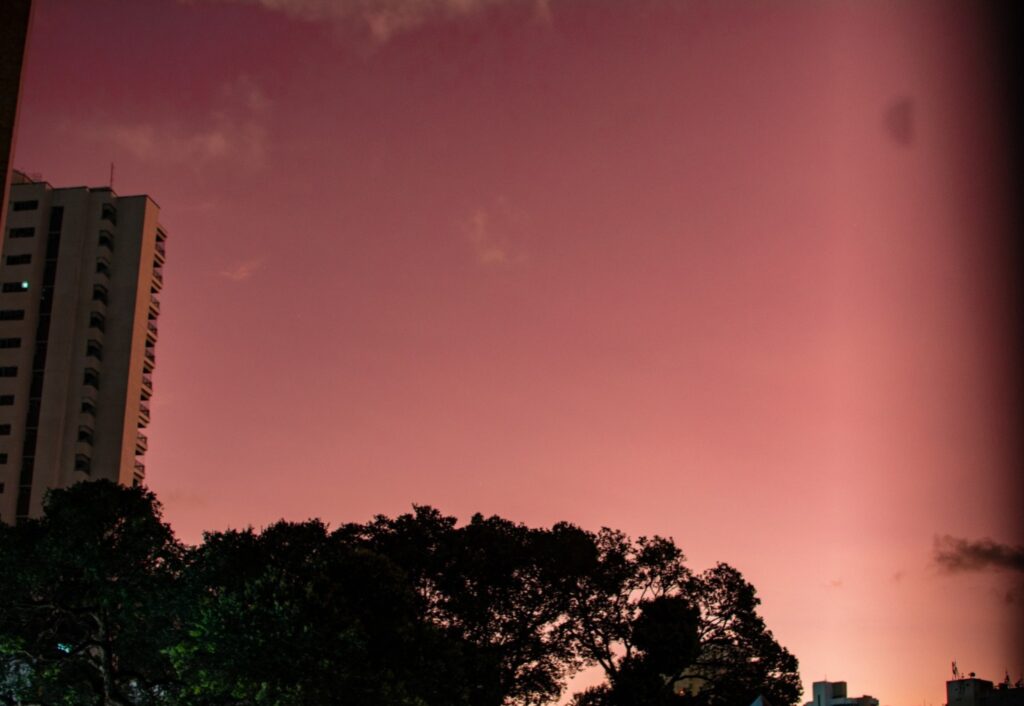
{"x":79,"y":279}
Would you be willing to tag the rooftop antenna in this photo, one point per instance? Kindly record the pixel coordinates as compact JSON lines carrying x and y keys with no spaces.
{"x":111,"y":176}
{"x":956,"y":671}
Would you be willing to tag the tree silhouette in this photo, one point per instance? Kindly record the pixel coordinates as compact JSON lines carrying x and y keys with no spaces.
{"x":294,"y":617}
{"x":103,"y":606}
{"x":90,"y":599}
{"x":665,"y":636}
{"x":495,"y":585}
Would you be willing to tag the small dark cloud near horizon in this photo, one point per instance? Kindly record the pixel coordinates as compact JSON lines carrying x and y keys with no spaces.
{"x":956,"y":555}
{"x":899,"y":121}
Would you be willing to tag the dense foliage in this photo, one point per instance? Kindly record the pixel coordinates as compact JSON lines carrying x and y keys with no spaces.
{"x":101,"y":605}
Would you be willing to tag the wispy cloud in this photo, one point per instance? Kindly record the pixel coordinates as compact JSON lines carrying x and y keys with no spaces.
{"x":490,"y":242}
{"x":234,"y":131}
{"x":384,"y":19}
{"x":957,"y":555}
{"x":241,"y":271}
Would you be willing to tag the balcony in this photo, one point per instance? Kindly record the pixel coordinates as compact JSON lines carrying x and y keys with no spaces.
{"x":158,"y":279}
{"x":160,"y":253}
{"x":106,"y":240}
{"x":149,"y":356}
{"x":143,"y":414}
{"x":86,"y":435}
{"x":154,"y":305}
{"x":109,"y":213}
{"x":141,"y":444}
{"x":97,"y":321}
{"x":94,"y":350}
{"x":147,"y":386}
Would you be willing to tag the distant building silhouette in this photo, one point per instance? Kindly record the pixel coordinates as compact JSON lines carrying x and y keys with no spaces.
{"x":14,"y":21}
{"x":971,"y":691}
{"x":833,"y":693}
{"x":80,"y":274}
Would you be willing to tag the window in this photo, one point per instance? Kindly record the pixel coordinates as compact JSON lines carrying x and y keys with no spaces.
{"x":91,"y":377}
{"x":103,"y":267}
{"x":99,"y":293}
{"x":10,"y":343}
{"x":97,"y":320}
{"x":89,"y":406}
{"x":94,"y":349}
{"x":6,"y":400}
{"x":3,"y":458}
{"x":22,"y":232}
{"x":25,"y":205}
{"x":107,"y":239}
{"x":12,"y":314}
{"x":9,"y":371}
{"x":109,"y":213}
{"x":23,"y":259}
{"x":83,"y":463}
{"x":85,"y":434}
{"x":5,"y":429}
{"x":21,"y":286}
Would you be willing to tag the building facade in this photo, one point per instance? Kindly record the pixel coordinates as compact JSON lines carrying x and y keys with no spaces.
{"x":971,"y":691}
{"x":79,"y":279}
{"x":833,"y":693}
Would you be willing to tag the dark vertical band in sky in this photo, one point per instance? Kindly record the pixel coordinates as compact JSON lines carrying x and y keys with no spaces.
{"x":14,"y":21}
{"x":1004,"y":27}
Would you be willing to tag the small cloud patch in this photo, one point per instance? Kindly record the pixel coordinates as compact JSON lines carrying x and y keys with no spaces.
{"x":487,"y":231}
{"x":233,"y":133}
{"x":241,"y":271}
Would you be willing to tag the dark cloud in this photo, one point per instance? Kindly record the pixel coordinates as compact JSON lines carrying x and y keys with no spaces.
{"x":955,"y":555}
{"x":899,"y":121}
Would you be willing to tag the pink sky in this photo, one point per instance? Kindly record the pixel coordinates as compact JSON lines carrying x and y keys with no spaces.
{"x":724,"y":271}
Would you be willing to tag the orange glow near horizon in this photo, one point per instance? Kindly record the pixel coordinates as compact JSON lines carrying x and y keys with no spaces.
{"x":728,"y":272}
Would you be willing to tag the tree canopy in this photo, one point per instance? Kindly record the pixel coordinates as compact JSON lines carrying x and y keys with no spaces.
{"x":102,"y":605}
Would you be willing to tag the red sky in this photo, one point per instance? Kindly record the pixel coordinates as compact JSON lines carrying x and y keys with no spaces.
{"x":724,"y":271}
